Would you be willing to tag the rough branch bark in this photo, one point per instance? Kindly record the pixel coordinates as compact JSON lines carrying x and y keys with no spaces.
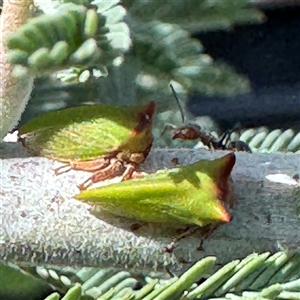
{"x":42,"y":224}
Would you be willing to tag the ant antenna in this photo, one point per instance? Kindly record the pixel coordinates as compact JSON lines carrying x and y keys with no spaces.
{"x":178,"y":103}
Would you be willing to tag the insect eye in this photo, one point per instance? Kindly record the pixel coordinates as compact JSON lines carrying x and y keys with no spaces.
{"x":145,"y":118}
{"x":143,"y":123}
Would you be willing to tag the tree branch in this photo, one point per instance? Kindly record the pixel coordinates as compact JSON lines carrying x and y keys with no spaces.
{"x":43,"y":224}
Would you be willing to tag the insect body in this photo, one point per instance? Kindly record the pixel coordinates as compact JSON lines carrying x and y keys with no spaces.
{"x":195,"y":194}
{"x":238,"y":146}
{"x":103,"y":139}
{"x":194,"y":132}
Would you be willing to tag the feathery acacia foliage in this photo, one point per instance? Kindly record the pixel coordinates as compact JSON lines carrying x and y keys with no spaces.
{"x":136,"y":48}
{"x":257,"y":276}
{"x":74,"y":36}
{"x":162,"y":47}
{"x":127,"y":52}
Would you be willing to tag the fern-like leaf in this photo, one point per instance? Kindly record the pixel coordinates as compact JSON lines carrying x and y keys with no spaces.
{"x":75,"y":36}
{"x":257,"y":276}
{"x":195,"y":15}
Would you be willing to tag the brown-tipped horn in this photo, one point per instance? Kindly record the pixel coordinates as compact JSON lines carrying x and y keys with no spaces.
{"x":226,"y":194}
{"x":145,"y":117}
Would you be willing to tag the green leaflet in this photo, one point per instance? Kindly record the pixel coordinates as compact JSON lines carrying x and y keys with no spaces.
{"x":113,"y":283}
{"x":194,"y":194}
{"x":85,"y":36}
{"x":89,"y":132}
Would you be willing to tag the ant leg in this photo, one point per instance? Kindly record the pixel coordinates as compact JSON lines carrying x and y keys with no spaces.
{"x":221,"y":144}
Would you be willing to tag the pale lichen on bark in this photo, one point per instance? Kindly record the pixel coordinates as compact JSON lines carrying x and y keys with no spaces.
{"x":43,"y":224}
{"x":14,"y":91}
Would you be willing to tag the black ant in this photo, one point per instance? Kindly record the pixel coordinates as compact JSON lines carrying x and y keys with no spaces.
{"x":193,"y":132}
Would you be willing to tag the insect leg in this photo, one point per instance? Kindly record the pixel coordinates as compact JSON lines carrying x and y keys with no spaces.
{"x":114,"y":167}
{"x":89,"y":166}
{"x":187,"y":232}
{"x":131,"y":172}
{"x":60,"y":170}
{"x":221,"y":144}
{"x":130,"y":168}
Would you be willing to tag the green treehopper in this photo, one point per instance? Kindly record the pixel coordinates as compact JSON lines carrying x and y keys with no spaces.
{"x":104,"y":139}
{"x":197,"y":194}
